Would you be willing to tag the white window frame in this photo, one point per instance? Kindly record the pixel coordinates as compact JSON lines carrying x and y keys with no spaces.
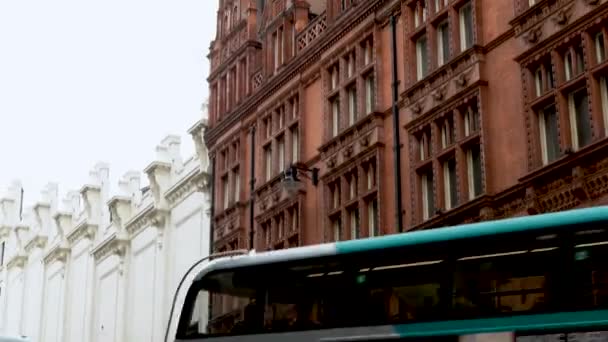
{"x":295,"y":144}
{"x":369,"y":93}
{"x":275,"y":37}
{"x":352,"y":105}
{"x":604,"y":96}
{"x":463,"y":27}
{"x":228,"y":90}
{"x":237,"y":185}
{"x":335,"y":117}
{"x":421,"y":63}
{"x":422,"y":147}
{"x":531,"y":3}
{"x":538,"y":81}
{"x":446,"y":134}
{"x":600,"y":52}
{"x":368,"y":53}
{"x":568,"y":65}
{"x":282,"y":45}
{"x":471,"y":174}
{"x":371,"y":214}
{"x":572,"y":115}
{"x":337,"y":227}
{"x":351,"y":65}
{"x":446,"y":185}
{"x":426,"y":210}
{"x":268,"y":163}
{"x":542,"y":124}
{"x":354,"y":226}
{"x":334,"y":77}
{"x":226,"y":191}
{"x":441,"y":59}
{"x":281,"y":147}
{"x":335,"y":194}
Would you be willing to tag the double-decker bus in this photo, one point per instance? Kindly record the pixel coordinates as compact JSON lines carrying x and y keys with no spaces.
{"x":533,"y":278}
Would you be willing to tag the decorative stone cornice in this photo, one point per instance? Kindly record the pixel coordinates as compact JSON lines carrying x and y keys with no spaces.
{"x":38,"y":241}
{"x":140,"y":221}
{"x":63,"y":222}
{"x":92,"y":201}
{"x":116,"y":244}
{"x":120,"y":209}
{"x":19,"y":261}
{"x":84,"y":230}
{"x":159,"y":176}
{"x":193,"y":182}
{"x":5,"y":232}
{"x":58,"y":253}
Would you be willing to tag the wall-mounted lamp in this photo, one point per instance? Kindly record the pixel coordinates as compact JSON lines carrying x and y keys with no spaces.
{"x":291,"y":177}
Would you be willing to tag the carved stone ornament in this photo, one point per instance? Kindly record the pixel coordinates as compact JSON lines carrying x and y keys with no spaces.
{"x":461,"y":80}
{"x":562,"y":17}
{"x":276,"y":196}
{"x":579,"y":188}
{"x":364,"y":142}
{"x":533,"y":35}
{"x":531,"y":201}
{"x":331,"y":162}
{"x":439,"y":94}
{"x":592,"y":2}
{"x":348,"y":151}
{"x":17,"y":261}
{"x":58,"y":253}
{"x":5,"y":231}
{"x":416,"y":108}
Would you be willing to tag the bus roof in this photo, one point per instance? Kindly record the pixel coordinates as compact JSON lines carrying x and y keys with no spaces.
{"x":487,"y":228}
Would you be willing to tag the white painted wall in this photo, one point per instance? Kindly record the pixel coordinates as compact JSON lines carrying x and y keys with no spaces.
{"x":102,"y":265}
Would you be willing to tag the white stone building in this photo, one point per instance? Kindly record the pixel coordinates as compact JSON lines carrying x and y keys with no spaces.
{"x":99,"y":267}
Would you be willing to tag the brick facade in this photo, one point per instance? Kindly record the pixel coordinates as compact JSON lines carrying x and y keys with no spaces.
{"x":503,"y":106}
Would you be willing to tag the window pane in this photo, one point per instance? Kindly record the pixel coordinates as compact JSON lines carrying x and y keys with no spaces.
{"x":551,"y":133}
{"x":421,"y":57}
{"x":600,"y":50}
{"x":475,"y":183}
{"x":451,"y":186}
{"x":466,"y":27}
{"x":443,"y":43}
{"x":580,"y":104}
{"x":604,"y":95}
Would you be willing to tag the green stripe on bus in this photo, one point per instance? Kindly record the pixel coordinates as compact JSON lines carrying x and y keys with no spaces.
{"x":563,"y":320}
{"x":518,"y":224}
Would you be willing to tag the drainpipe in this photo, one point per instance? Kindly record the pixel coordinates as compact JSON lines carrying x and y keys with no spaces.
{"x":212,"y":220}
{"x":252,"y":189}
{"x":396,"y":139}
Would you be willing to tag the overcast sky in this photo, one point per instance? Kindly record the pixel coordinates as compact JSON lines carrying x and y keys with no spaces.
{"x":83,"y":81}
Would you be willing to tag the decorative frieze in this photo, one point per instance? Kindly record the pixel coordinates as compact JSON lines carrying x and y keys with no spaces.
{"x":38,"y":241}
{"x":84,"y":230}
{"x":116,"y":244}
{"x":59,"y":253}
{"x":17,"y":261}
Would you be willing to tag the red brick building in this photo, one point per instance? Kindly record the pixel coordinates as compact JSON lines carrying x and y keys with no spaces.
{"x":503,"y":111}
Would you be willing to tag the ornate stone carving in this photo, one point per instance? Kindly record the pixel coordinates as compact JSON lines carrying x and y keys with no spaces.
{"x":579,"y":188}
{"x":331,"y":162}
{"x":37,"y":241}
{"x":365,"y":140}
{"x":533,"y":35}
{"x":439,"y":94}
{"x":84,"y":230}
{"x":348,"y":151}
{"x":58,"y":253}
{"x":562,"y":17}
{"x":462,"y":80}
{"x":531,"y":201}
{"x":18,"y":261}
{"x":417,"y":108}
{"x":592,"y":2}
